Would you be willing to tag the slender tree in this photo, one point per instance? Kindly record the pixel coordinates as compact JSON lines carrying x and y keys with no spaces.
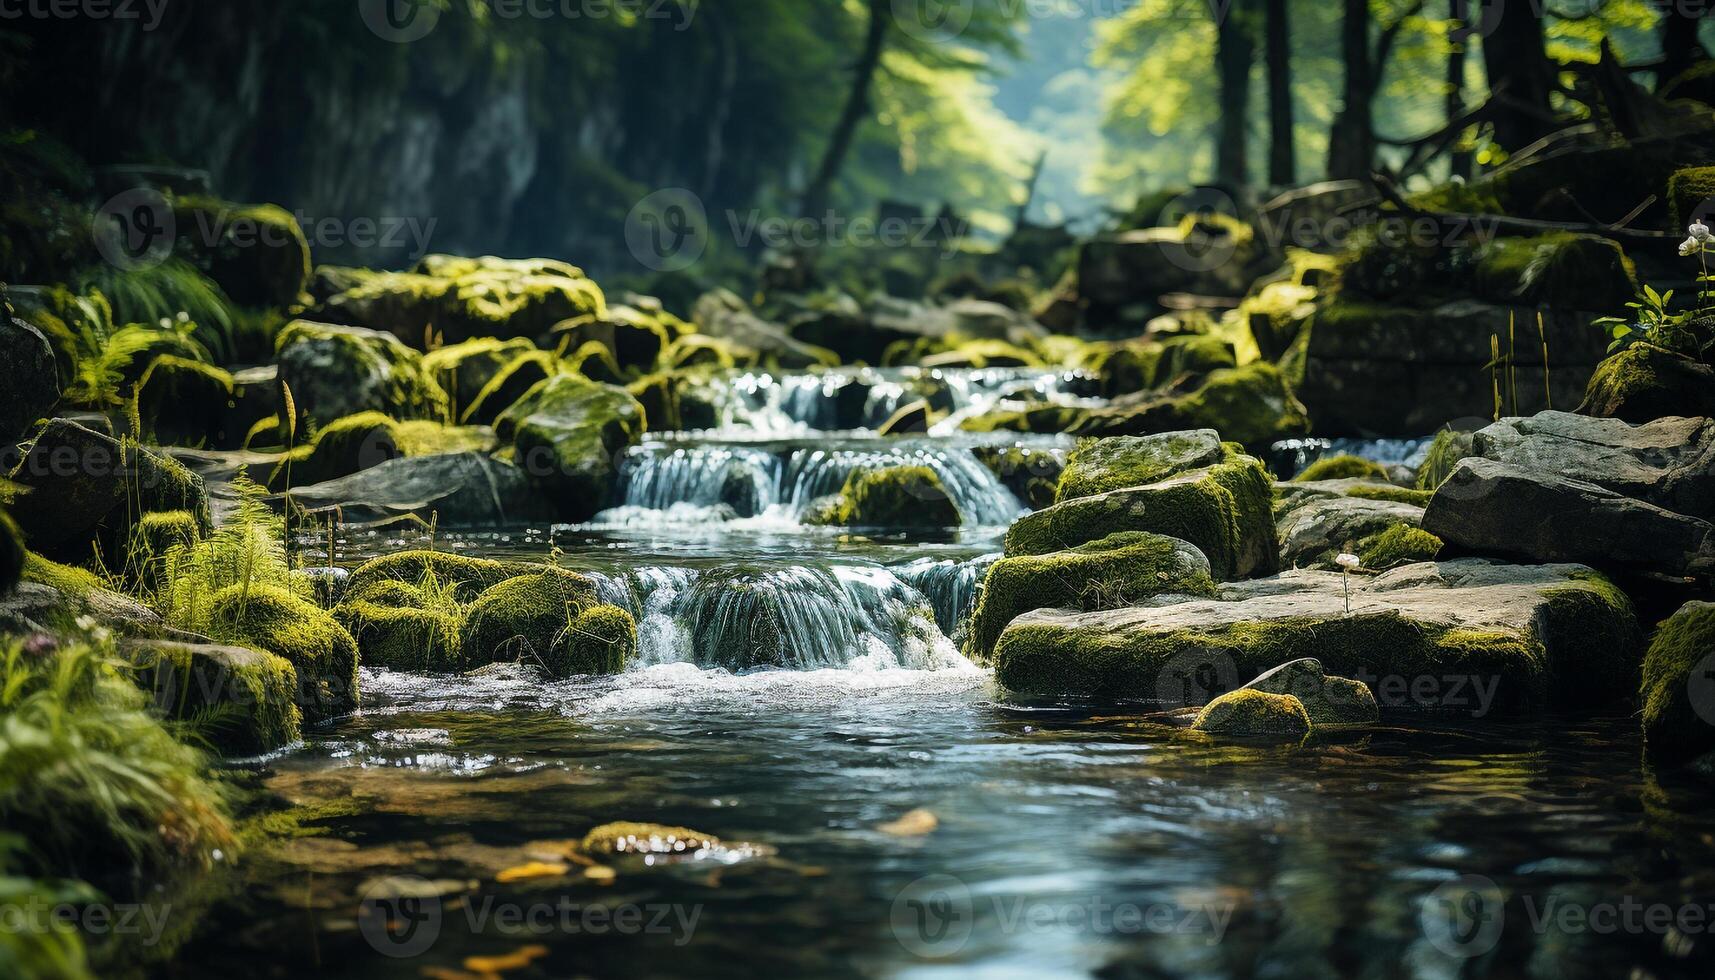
{"x":1235,"y":52}
{"x":1282,"y":162}
{"x":1456,"y":11}
{"x":1352,"y":141}
{"x":1680,"y":48}
{"x":856,"y":109}
{"x":1520,"y":75}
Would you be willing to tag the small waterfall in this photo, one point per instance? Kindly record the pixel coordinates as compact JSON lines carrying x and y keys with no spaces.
{"x":1290,"y":457}
{"x":746,"y":616}
{"x":949,"y":585}
{"x":783,"y":481}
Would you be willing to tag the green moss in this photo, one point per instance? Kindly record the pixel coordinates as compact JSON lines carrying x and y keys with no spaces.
{"x":1131,"y":366}
{"x":1118,"y":462}
{"x":644,"y":838}
{"x":329,"y":367}
{"x":464,"y":370}
{"x":567,"y":435}
{"x":545,"y":619}
{"x":242,"y":701}
{"x":402,"y":637}
{"x":512,"y":382}
{"x":1399,"y":544}
{"x":182,"y":403}
{"x":1593,"y":626}
{"x":1687,"y":189}
{"x":152,"y":538}
{"x":1391,"y":493}
{"x":1445,"y":452}
{"x":1225,"y":510}
{"x":700,"y":350}
{"x":467,"y":576}
{"x":891,"y":497}
{"x":1247,"y":713}
{"x":1678,"y":696}
{"x":75,"y":582}
{"x":1054,"y":658}
{"x":357,"y":442}
{"x":1645,"y":382}
{"x":984,"y":353}
{"x":594,"y":361}
{"x":633,"y":339}
{"x":1119,"y":570}
{"x":1562,"y":270}
{"x":1346,"y":467}
{"x":319,"y":649}
{"x":258,"y":253}
{"x":11,"y":552}
{"x":509,"y":301}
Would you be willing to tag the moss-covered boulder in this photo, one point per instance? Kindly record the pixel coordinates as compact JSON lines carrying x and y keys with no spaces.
{"x":594,"y":361}
{"x":1226,"y":511}
{"x":1678,"y":692}
{"x":1126,"y":367}
{"x":82,"y":488}
{"x":243,"y":701}
{"x":678,"y":399}
{"x":552,"y":620}
{"x":186,"y":403}
{"x":1645,"y":382}
{"x":1317,"y":522}
{"x":1031,"y":474}
{"x":464,"y":370}
{"x":633,"y":338}
{"x":458,"y":299}
{"x":153,"y":539}
{"x":1344,"y":467}
{"x":1118,"y":462}
{"x":1119,"y":570}
{"x":1252,"y":405}
{"x":1470,"y":636}
{"x":400,"y":636}
{"x":257,"y":253}
{"x":1445,"y":451}
{"x":1247,"y":713}
{"x":319,"y":649}
{"x":466,"y":576}
{"x":1561,"y":269}
{"x":512,"y":382}
{"x":568,"y":435}
{"x":29,"y":378}
{"x":358,"y":442}
{"x":1326,"y":700}
{"x":890,"y":497}
{"x":338,"y":371}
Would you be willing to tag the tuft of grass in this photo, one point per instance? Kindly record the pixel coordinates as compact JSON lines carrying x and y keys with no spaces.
{"x":247,"y":551}
{"x":173,"y":290}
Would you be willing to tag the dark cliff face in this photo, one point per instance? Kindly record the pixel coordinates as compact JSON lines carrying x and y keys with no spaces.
{"x":508,"y":136}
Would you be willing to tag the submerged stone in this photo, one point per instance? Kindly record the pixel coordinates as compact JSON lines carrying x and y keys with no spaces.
{"x":1326,"y":700}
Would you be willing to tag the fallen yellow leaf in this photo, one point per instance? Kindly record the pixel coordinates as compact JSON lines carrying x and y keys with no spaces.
{"x":599,"y":872}
{"x":517,"y":960}
{"x":913,"y":824}
{"x":532,"y":869}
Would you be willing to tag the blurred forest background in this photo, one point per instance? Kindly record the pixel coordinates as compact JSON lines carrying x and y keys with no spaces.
{"x":526,"y":133}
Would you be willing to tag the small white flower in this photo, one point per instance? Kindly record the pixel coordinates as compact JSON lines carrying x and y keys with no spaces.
{"x":186,"y":317}
{"x":1699,"y":231}
{"x":1690,"y":246}
{"x":1348,"y":562}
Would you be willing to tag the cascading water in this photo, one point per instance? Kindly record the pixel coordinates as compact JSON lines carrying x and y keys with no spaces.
{"x":949,"y":585}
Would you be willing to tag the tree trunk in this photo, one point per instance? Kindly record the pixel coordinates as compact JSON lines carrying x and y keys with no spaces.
{"x":1235,"y":51}
{"x":857,"y":108}
{"x":1282,"y":161}
{"x":1456,"y":13}
{"x":1352,"y":141}
{"x":1680,"y":48}
{"x":1520,"y":76}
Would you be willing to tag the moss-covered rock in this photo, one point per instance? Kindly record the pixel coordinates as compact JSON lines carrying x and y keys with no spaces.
{"x":1644,"y":382}
{"x":1226,"y":511}
{"x":1317,"y":522}
{"x":458,"y":299}
{"x":512,"y":382}
{"x":83,"y":488}
{"x":633,"y":338}
{"x":1118,"y":462}
{"x":1254,"y":714}
{"x":1474,"y":637}
{"x":358,"y":442}
{"x":645,"y":838}
{"x":186,"y":403}
{"x":1561,"y":269}
{"x":257,"y":253}
{"x":402,"y":637}
{"x":1687,"y":190}
{"x":319,"y":649}
{"x":1031,"y":474}
{"x":1678,"y":691}
{"x":594,"y":361}
{"x":1398,"y":544}
{"x":568,"y":435}
{"x":984,"y":353}
{"x":552,"y":620}
{"x":1119,"y":570}
{"x":29,"y":378}
{"x":338,"y":371}
{"x":890,"y":497}
{"x":381,"y":579}
{"x":680,"y":399}
{"x":1345,"y":467}
{"x":1127,"y":367}
{"x":243,"y":701}
{"x":1327,"y":700}
{"x":154,"y":537}
{"x":464,"y":370}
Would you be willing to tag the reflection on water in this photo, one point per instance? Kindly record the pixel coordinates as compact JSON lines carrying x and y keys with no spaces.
{"x":1066,"y":842}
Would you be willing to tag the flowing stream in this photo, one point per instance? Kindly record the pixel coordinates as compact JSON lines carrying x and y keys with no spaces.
{"x":1065,"y":839}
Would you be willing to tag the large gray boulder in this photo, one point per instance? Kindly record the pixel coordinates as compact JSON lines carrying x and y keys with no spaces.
{"x":1313,"y":527}
{"x":460,"y":489}
{"x":336,"y":371}
{"x":1668,"y":462}
{"x":29,"y":382}
{"x":1492,"y":507}
{"x":1468,"y":636}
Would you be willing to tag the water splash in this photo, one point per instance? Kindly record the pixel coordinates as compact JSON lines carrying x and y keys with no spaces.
{"x":949,"y":585}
